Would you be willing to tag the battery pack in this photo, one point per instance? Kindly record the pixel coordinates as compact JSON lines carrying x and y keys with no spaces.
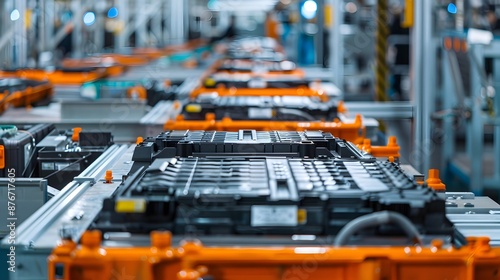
{"x":272,"y":183}
{"x":249,"y":143}
{"x":60,"y":159}
{"x":18,"y":147}
{"x":286,"y":108}
{"x":271,"y":196}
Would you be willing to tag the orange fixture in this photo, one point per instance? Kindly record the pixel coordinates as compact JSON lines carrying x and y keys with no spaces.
{"x":28,"y":96}
{"x":76,"y":134}
{"x":192,"y":260}
{"x":353,"y":132}
{"x":389,"y":151}
{"x":137,"y":92}
{"x":434,"y":182}
{"x":108,"y":177}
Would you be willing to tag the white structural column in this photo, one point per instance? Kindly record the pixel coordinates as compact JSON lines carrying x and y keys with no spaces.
{"x":20,"y":42}
{"x":98,"y":28}
{"x":177,"y":21}
{"x":122,"y":40}
{"x":336,"y":44}
{"x":141,"y":20}
{"x":423,"y":70}
{"x":78,"y":31}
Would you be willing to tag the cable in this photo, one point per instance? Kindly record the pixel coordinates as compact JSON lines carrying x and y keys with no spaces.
{"x":69,"y":165}
{"x":32,"y":154}
{"x":297,"y":113}
{"x":377,"y":219}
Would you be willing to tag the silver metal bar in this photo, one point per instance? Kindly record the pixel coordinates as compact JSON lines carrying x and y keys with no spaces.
{"x":496,"y":135}
{"x":475,"y":131}
{"x":417,"y":81}
{"x":177,"y":21}
{"x":121,"y":40}
{"x":28,"y":231}
{"x":161,"y":113}
{"x":48,"y":24}
{"x":98,"y":168}
{"x":337,"y":44}
{"x":390,"y":110}
{"x":428,"y":85}
{"x":448,"y":144}
{"x":319,"y":38}
{"x":20,"y":35}
{"x":78,"y":29}
{"x":69,"y":199}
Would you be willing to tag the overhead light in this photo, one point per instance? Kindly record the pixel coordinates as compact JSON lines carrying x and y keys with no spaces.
{"x":351,"y":7}
{"x":212,"y":5}
{"x":113,"y":12}
{"x":309,"y":9}
{"x":89,"y":18}
{"x":14,"y":15}
{"x":452,"y":8}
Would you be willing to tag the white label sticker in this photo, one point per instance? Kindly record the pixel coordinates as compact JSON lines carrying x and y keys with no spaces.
{"x":285,"y":216}
{"x":67,"y":166}
{"x":89,"y":91}
{"x":260,"y":113}
{"x":257,"y":84}
{"x":60,"y":138}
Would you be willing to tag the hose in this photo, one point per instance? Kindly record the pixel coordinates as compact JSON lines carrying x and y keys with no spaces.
{"x":376,"y":219}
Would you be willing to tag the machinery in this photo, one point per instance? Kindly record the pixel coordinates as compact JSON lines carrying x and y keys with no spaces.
{"x":201,"y":204}
{"x":245,"y":167}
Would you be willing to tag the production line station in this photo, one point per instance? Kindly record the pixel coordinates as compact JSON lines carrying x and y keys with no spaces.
{"x":233,"y":139}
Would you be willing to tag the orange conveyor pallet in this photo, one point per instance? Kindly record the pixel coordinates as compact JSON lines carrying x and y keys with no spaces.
{"x":25,"y":97}
{"x":58,"y":77}
{"x":354,"y":132}
{"x":191,"y":261}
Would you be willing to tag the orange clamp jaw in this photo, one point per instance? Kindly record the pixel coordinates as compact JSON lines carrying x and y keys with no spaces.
{"x":2,"y":157}
{"x":76,"y":134}
{"x":391,"y":151}
{"x":434,"y":182}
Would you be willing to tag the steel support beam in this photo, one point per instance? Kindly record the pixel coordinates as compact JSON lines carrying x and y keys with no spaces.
{"x":78,"y":30}
{"x":20,"y":47}
{"x":177,"y":34}
{"x":475,"y":127}
{"x":337,"y":44}
{"x":423,"y":70}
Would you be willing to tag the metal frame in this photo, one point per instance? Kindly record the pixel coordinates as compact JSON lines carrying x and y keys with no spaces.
{"x":475,"y":125}
{"x":169,"y":18}
{"x":69,"y":213}
{"x":424,"y":82}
